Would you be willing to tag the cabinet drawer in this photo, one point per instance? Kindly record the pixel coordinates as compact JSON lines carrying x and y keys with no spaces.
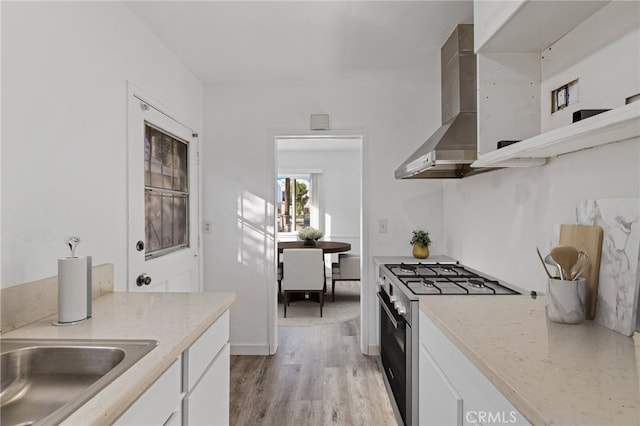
{"x":205,"y":349}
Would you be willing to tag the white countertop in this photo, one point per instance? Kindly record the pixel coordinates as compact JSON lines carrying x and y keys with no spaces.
{"x":175,"y":320}
{"x":553,"y":373}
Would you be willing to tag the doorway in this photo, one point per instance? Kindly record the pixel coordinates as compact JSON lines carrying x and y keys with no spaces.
{"x":318,"y":182}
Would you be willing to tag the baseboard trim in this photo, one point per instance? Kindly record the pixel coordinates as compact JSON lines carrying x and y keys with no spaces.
{"x":249,"y":349}
{"x":374,"y":350}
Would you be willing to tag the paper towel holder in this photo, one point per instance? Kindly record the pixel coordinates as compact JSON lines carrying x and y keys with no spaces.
{"x":74,"y":286}
{"x":72,"y":242}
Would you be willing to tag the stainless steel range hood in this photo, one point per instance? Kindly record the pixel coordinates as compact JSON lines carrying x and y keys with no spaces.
{"x":449,"y":152}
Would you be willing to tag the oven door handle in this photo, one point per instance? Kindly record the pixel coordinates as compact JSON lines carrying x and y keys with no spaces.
{"x":392,"y":318}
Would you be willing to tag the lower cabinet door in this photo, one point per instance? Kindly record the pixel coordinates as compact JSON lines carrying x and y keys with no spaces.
{"x":439,"y":402}
{"x":208,"y":401}
{"x":159,"y":404}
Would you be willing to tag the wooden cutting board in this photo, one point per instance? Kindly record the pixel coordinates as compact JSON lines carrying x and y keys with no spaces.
{"x":589,"y":240}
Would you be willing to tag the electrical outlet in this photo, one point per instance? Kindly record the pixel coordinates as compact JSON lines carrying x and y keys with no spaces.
{"x":564,"y":96}
{"x":382,"y":226}
{"x":207,"y":227}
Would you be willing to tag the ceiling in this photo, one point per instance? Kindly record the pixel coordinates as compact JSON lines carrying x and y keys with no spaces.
{"x":245,"y":43}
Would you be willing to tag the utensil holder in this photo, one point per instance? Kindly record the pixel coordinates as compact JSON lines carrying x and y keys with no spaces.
{"x":566,"y":300}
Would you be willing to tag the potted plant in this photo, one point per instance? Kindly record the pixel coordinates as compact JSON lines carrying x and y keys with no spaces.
{"x":420,"y":242}
{"x":309,"y":235}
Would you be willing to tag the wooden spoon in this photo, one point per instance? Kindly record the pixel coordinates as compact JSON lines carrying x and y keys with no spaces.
{"x":566,"y":257}
{"x":582,"y":264}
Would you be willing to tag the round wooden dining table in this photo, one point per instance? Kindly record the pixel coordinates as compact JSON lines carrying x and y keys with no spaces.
{"x":326,"y":246}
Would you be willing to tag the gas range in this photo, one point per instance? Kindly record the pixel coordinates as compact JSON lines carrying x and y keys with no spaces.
{"x":401,"y":284}
{"x":435,"y":278}
{"x":408,"y":279}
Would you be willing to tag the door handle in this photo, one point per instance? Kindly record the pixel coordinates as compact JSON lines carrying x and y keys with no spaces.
{"x":390,"y":316}
{"x":143,"y":279}
{"x":140,"y":245}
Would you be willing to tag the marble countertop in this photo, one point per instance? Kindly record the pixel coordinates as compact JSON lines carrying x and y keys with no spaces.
{"x":553,"y":373}
{"x":175,"y":320}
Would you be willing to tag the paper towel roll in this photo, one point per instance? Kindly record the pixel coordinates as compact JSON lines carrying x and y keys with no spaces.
{"x":72,"y":289}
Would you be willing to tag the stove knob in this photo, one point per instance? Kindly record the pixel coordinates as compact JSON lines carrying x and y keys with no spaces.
{"x":393,"y":298}
{"x":400,"y":308}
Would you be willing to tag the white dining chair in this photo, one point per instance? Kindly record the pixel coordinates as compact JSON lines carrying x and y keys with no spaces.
{"x":302,"y":272}
{"x":347,"y":268}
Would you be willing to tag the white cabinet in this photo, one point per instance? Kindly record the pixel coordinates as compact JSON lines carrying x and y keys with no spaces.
{"x":207,"y":403}
{"x":439,"y":402}
{"x":518,"y":66}
{"x":489,"y":17}
{"x":194,"y":390}
{"x":468,"y":397}
{"x":206,"y":372}
{"x":515,"y":25}
{"x":160,"y":404}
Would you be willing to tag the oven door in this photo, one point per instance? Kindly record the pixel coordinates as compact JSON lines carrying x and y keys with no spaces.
{"x":394,"y":333}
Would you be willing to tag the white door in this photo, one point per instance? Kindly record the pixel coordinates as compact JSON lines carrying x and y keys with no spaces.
{"x":163,"y":232}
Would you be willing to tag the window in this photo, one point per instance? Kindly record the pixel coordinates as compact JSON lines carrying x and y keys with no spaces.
{"x":166,"y":192}
{"x":294,"y":202}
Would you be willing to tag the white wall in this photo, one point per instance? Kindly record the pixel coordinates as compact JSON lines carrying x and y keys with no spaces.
{"x":339,"y":189}
{"x":240,"y":158}
{"x":64,"y":72}
{"x":495,"y":221}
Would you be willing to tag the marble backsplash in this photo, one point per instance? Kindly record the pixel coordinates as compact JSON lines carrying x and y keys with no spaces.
{"x":619,"y":279}
{"x":29,"y":302}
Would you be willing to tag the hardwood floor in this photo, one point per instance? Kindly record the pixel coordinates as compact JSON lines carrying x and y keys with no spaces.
{"x":317,"y":377}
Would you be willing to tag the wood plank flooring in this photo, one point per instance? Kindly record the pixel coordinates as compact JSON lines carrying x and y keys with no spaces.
{"x":317,"y":377}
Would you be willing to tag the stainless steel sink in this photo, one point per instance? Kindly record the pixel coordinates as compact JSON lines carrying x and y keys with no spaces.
{"x":44,"y":381}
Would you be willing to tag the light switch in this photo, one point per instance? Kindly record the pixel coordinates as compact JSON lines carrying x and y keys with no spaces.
{"x":382,"y":226}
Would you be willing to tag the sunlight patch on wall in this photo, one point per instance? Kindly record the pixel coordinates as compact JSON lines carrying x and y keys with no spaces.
{"x":253,"y":236}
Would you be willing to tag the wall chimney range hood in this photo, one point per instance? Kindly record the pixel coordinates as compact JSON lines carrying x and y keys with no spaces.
{"x":449,"y":152}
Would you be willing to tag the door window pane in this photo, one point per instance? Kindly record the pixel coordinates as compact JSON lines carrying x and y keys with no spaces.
{"x":153,"y":220}
{"x":166,"y":192}
{"x":167,"y":220}
{"x":180,"y":170}
{"x":180,"y":221}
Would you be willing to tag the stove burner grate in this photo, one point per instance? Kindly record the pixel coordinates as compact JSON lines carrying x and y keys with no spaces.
{"x":407,"y":269}
{"x":476,"y":283}
{"x":428,"y":283}
{"x":444,"y":278}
